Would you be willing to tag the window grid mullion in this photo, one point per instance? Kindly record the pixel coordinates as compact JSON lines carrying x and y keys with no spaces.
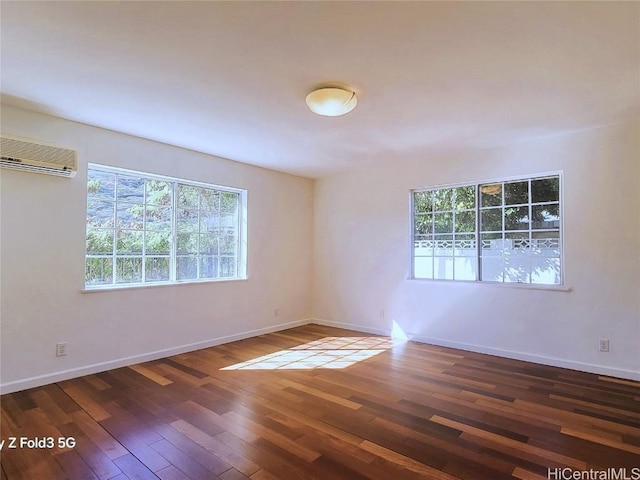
{"x":412,"y":234}
{"x":530,"y":218}
{"x":478,"y":236}
{"x":504,"y":227}
{"x":173,"y":245}
{"x":144,"y":232}
{"x":199,"y":238}
{"x":433,"y":235}
{"x":115,"y":231}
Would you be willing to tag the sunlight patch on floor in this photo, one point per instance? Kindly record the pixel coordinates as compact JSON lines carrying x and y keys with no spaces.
{"x":328,"y":352}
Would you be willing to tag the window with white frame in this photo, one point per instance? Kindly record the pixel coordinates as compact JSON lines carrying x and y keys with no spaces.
{"x":149,"y":229}
{"x":505,"y":231}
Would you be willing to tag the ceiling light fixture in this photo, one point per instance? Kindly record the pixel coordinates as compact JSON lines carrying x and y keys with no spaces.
{"x":491,"y":189}
{"x":331,"y":102}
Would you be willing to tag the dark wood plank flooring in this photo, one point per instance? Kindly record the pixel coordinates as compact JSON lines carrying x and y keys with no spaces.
{"x":412,"y":411}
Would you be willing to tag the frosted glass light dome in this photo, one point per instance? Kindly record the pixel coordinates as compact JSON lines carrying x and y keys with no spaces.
{"x":331,"y":102}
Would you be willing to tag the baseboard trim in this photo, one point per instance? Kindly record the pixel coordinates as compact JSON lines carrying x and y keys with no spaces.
{"x":527,"y":357}
{"x":48,"y":378}
{"x":351,"y":326}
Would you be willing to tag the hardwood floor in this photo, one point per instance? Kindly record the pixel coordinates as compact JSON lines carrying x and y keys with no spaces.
{"x":409,"y":411}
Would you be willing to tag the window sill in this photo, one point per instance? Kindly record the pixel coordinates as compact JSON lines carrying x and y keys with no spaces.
{"x":522,"y":286}
{"x":111,"y":288}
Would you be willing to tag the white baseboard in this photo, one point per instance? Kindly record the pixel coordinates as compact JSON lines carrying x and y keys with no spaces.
{"x":40,"y":380}
{"x":351,"y":326}
{"x":527,"y":357}
{"x":48,"y":378}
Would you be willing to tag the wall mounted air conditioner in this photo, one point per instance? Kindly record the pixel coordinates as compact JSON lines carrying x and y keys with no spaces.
{"x":28,"y":155}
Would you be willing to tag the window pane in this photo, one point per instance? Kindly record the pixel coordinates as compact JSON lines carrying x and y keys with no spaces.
{"x":228,"y":202}
{"x":443,"y":222}
{"x":518,"y":243}
{"x":100,"y":213}
{"x":545,"y":190}
{"x":443,"y":268}
{"x":546,"y":243}
{"x":208,"y":267}
{"x":545,"y":271}
{"x":99,"y":242}
{"x":229,"y":224}
{"x":227,"y":267}
{"x":158,"y":218}
{"x":129,"y":242}
{"x":188,"y":196}
{"x":491,"y":219}
{"x":492,"y":244}
{"x":465,"y":221}
{"x":209,"y":200}
{"x":130,"y":189}
{"x":442,"y":199}
{"x":158,"y":193}
{"x":464,"y":268}
{"x":187,"y":243}
{"x":209,"y":221}
{"x":130,"y":216}
{"x":424,"y":247}
{"x":209,"y":244}
{"x":443,"y":245}
{"x":516,"y":218}
{"x":101,"y":184}
{"x":129,"y":270}
{"x":98,"y":271}
{"x":156,"y":269}
{"x":491,"y":195}
{"x":423,"y":267}
{"x":546,"y":216}
{"x":157,"y":243}
{"x":516,"y":269}
{"x":227,"y":245}
{"x":187,"y":267}
{"x":465,"y":198}
{"x":465,"y":245}
{"x":492,"y":269}
{"x":516,"y":192}
{"x":422,"y":202}
{"x":187,"y":220}
{"x":423,"y":224}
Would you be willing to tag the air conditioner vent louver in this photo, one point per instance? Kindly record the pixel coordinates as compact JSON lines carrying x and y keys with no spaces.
{"x":26,"y":155}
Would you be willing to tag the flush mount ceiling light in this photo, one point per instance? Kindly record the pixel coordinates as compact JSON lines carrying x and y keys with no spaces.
{"x":331,"y":102}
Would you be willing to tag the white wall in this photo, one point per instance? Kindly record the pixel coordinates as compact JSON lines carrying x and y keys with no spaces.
{"x":358,"y":228}
{"x":42,"y":262}
{"x":362,"y":260}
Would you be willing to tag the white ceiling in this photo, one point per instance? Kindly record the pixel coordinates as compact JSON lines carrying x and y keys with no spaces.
{"x":230,"y":78}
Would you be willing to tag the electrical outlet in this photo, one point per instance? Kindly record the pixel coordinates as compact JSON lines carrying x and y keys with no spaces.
{"x":382,"y":314}
{"x":276,"y":312}
{"x":604,"y":344}
{"x":61,"y":349}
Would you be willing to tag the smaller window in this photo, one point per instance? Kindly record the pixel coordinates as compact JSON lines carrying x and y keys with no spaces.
{"x":507,"y":231}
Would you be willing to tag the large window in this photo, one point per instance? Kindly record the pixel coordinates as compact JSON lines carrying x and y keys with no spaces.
{"x":507,"y":231}
{"x":147,"y":229}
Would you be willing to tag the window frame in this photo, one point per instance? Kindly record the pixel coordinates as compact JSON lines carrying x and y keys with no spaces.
{"x":478,"y":232}
{"x":240,"y":227}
